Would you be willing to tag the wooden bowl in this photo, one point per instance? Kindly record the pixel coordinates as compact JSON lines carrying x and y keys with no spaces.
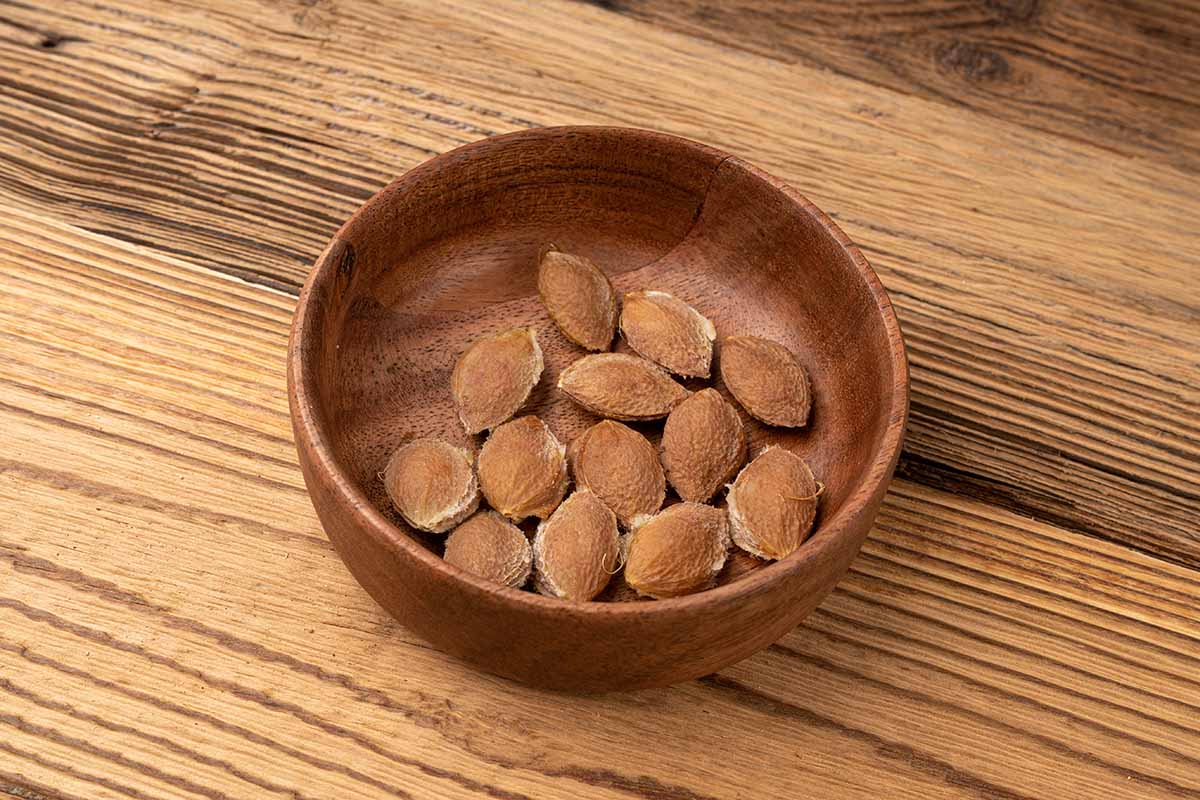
{"x":448,"y":253}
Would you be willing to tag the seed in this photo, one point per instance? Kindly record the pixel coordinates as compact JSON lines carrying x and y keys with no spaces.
{"x":523,"y":469}
{"x":772,"y":504}
{"x":620,"y":386}
{"x":678,"y":551}
{"x":494,"y":376}
{"x":703,"y":445}
{"x":620,"y":467}
{"x":575,"y":551}
{"x":432,"y":484}
{"x":489,"y":546}
{"x":668,"y":331}
{"x":579,"y":298}
{"x":767,"y":380}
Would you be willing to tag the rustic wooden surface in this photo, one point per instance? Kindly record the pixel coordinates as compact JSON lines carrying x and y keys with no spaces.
{"x":1023,"y":620}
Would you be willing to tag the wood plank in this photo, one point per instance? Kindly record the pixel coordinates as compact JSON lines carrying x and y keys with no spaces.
{"x":1118,"y":75}
{"x":1044,"y":285}
{"x":174,"y":623}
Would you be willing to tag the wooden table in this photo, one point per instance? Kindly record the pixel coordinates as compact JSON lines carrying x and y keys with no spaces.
{"x":1023,"y":622}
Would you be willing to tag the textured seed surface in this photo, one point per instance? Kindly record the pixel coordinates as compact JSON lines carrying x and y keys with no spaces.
{"x":575,"y":551}
{"x":766,"y":379}
{"x":772,"y":504}
{"x":523,"y":469}
{"x":491,"y":547}
{"x":432,"y":484}
{"x":620,"y":386}
{"x":678,"y":551}
{"x":579,"y":298}
{"x":668,"y":331}
{"x":621,"y":467}
{"x":703,"y":445}
{"x":494,"y":376}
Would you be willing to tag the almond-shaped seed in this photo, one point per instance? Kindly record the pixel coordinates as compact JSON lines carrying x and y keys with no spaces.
{"x":668,"y":331}
{"x":575,"y":551}
{"x":621,"y":467}
{"x":766,"y":379}
{"x":523,"y":469}
{"x":678,"y":551}
{"x":432,"y":484}
{"x":494,"y":376}
{"x":703,"y":445}
{"x":620,"y":386}
{"x":491,"y":547}
{"x":772,"y":504}
{"x":579,"y":298}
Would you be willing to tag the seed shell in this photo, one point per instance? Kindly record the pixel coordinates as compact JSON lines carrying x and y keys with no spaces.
{"x":766,"y":379}
{"x":703,"y":445}
{"x":494,"y":376}
{"x":579,"y":298}
{"x":620,"y":386}
{"x":678,"y":551}
{"x":669,"y":332}
{"x":523,"y":469}
{"x":621,"y":467}
{"x":772,"y":504}
{"x":491,"y":547}
{"x":432,"y":484}
{"x":575,"y":551}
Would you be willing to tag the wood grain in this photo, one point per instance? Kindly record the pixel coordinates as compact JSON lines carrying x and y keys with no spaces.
{"x":1052,"y":326}
{"x":1014,"y":628}
{"x":160,"y":635}
{"x":1117,"y":75}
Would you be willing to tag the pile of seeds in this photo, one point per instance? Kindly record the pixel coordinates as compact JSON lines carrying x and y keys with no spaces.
{"x":620,"y":479}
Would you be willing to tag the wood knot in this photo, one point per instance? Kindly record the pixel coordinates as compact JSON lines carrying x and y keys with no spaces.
{"x":974,"y":62}
{"x":345,"y":267}
{"x":51,"y":41}
{"x":607,"y":5}
{"x":1014,"y":10}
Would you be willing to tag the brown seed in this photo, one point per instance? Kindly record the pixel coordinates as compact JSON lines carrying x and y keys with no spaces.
{"x":767,"y":380}
{"x":432,"y":484}
{"x":668,"y":331}
{"x":772,"y":504}
{"x":620,"y":386}
{"x":703,"y":445}
{"x":489,"y":546}
{"x":678,"y":551}
{"x":620,"y":467}
{"x":494,"y":376}
{"x":575,"y":551}
{"x":579,"y":298}
{"x":523,"y":469}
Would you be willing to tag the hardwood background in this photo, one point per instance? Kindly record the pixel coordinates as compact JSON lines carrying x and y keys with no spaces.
{"x":1023,"y":621}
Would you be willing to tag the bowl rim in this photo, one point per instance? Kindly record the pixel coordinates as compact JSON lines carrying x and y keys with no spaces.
{"x":312,"y":438}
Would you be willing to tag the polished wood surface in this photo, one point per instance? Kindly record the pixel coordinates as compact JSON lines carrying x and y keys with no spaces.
{"x":1021,"y":622}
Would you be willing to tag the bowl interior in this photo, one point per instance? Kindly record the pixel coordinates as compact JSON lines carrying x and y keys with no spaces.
{"x":449,"y":253}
